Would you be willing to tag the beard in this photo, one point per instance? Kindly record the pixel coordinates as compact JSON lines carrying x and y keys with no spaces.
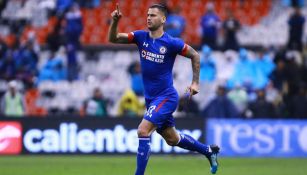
{"x":153,"y":27}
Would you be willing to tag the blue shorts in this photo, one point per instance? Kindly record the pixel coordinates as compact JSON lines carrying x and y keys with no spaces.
{"x":160,"y":110}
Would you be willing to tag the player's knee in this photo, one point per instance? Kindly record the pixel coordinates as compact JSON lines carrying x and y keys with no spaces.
{"x":172,"y":141}
{"x":142,"y":132}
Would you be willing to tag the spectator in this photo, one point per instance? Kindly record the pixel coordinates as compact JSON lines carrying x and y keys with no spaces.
{"x":244,"y":72}
{"x":263,"y":67}
{"x":248,"y":73}
{"x":53,"y":69}
{"x":97,"y":105}
{"x":8,"y":66}
{"x":130,"y":105}
{"x":264,"y":63}
{"x":72,"y":63}
{"x":175,"y":23}
{"x":74,"y":26}
{"x":279,"y":76}
{"x":136,"y":78}
{"x":294,"y":76}
{"x":221,"y":106}
{"x":63,"y":5}
{"x":207,"y":65}
{"x":31,"y":38}
{"x":226,"y":66}
{"x":298,"y":104}
{"x":26,"y":62}
{"x":296,"y":28}
{"x":210,"y":24}
{"x":260,"y":108}
{"x":57,"y":37}
{"x":231,"y":25}
{"x":12,"y":104}
{"x":73,"y":31}
{"x":187,"y":106}
{"x":239,"y":98}
{"x":273,"y":95}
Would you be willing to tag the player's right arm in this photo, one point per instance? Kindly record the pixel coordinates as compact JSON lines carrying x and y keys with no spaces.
{"x":114,"y":36}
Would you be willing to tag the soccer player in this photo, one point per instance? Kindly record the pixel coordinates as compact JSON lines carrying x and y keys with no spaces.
{"x":157,"y":55}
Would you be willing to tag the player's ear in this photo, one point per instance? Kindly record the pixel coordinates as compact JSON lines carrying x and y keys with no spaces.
{"x":163,"y":19}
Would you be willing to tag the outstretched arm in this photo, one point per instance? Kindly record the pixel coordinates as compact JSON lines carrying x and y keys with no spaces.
{"x":189,"y":52}
{"x":113,"y":34}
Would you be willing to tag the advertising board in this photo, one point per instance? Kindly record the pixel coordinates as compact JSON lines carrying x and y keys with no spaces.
{"x":93,"y":135}
{"x":258,"y":138}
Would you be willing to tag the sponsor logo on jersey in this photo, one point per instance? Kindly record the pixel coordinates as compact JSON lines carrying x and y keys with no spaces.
{"x":152,"y":56}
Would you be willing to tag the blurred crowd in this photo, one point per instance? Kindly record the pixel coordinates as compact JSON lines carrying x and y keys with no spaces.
{"x":264,"y":83}
{"x":19,"y":54}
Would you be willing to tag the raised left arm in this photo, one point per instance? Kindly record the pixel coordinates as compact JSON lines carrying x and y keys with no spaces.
{"x":189,"y":52}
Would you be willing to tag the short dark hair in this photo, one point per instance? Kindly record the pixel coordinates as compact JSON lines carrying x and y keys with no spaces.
{"x":161,"y":7}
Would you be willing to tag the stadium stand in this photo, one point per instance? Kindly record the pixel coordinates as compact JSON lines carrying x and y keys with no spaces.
{"x":96,"y":20}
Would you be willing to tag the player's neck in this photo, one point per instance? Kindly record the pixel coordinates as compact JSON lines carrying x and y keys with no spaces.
{"x":157,"y":33}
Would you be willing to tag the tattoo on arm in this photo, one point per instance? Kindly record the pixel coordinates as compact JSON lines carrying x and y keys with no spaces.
{"x":195,"y":59}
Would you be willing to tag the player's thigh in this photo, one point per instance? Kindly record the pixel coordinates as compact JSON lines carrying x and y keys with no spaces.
{"x":160,"y":112}
{"x":146,"y":128}
{"x":170,"y":135}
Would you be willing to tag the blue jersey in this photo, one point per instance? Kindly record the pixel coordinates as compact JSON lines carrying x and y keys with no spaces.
{"x":157,"y":57}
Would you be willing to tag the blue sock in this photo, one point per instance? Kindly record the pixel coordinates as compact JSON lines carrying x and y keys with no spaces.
{"x":142,"y":155}
{"x":189,"y":143}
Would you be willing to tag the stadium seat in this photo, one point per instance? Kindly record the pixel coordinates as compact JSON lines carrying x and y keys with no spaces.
{"x":249,"y":12}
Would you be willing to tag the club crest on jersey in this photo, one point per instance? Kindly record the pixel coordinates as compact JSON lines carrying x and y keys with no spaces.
{"x":162,"y":50}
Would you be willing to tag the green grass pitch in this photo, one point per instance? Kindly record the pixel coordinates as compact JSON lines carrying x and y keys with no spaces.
{"x":158,"y":165}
